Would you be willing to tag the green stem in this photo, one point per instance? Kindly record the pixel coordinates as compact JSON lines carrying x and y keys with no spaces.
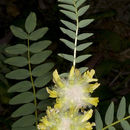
{"x":31,"y":78}
{"x":76,"y":35}
{"x":116,"y":122}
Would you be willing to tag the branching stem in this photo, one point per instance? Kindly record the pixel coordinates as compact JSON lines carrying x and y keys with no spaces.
{"x":31,"y":78}
{"x":116,"y":122}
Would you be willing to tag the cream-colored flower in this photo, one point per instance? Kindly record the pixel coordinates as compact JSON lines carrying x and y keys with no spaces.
{"x":74,"y":91}
{"x":69,"y":120}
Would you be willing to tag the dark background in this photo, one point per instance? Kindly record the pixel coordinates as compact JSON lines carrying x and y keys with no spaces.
{"x":110,"y":49}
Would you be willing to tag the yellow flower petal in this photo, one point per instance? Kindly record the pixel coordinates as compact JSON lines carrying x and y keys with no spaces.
{"x":52,"y":93}
{"x":93,"y":101}
{"x":92,"y":87}
{"x":57,"y":79}
{"x":71,"y":74}
{"x":87,"y":115}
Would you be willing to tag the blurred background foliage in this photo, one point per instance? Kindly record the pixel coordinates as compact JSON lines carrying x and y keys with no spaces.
{"x":110,"y":49}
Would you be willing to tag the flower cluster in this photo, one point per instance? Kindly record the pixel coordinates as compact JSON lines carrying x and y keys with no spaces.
{"x":71,"y":94}
{"x":69,"y":120}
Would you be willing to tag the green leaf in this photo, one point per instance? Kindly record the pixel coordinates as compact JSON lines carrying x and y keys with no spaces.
{"x":25,"y":109}
{"x":84,"y":23}
{"x":129,"y":109}
{"x":79,"y":3}
{"x":25,"y":128}
{"x":67,"y":7}
{"x":42,"y":69}
{"x":18,"y":61}
{"x":98,"y":121}
{"x":82,"y":58}
{"x":64,"y":75}
{"x":18,"y":32}
{"x":83,"y":69}
{"x":70,"y":33}
{"x":39,"y":46}
{"x":68,"y":43}
{"x":42,"y":94}
{"x":18,"y":74}
{"x":83,"y":46}
{"x":84,"y":36}
{"x":16,"y":49}
{"x":43,"y":80}
{"x":69,"y":14}
{"x":66,"y":56}
{"x":69,"y":25}
{"x":40,"y":57}
{"x":83,"y":10}
{"x":25,"y":97}
{"x":25,"y":121}
{"x":66,"y":1}
{"x":121,"y":109}
{"x":109,"y":114}
{"x":30,"y":23}
{"x":125,"y":125}
{"x":111,"y":128}
{"x":20,"y":87}
{"x":36,"y":35}
{"x":43,"y":104}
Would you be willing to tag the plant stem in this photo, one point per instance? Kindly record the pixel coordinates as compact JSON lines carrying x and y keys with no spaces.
{"x":76,"y":35}
{"x":31,"y":78}
{"x":116,"y":122}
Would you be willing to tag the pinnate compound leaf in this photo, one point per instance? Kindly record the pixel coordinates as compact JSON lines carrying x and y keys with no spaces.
{"x":25,"y":109}
{"x":125,"y":125}
{"x":18,"y":74}
{"x":20,"y":87}
{"x":68,"y":43}
{"x":83,"y":10}
{"x":66,"y":56}
{"x":66,"y":1}
{"x":69,"y":14}
{"x":67,"y":7}
{"x":121,"y":109}
{"x":82,"y":58}
{"x":68,"y":32}
{"x":83,"y":46}
{"x":109,"y":117}
{"x":42,"y":69}
{"x":16,"y":49}
{"x":98,"y":121}
{"x":18,"y":61}
{"x":24,"y":121}
{"x":18,"y":32}
{"x":25,"y":128}
{"x":30,"y":23}
{"x":79,"y":3}
{"x":38,"y":34}
{"x":42,"y":94}
{"x":84,"y":36}
{"x":69,"y":25}
{"x":84,"y":23}
{"x":39,"y":46}
{"x":25,"y":97}
{"x":43,"y":80}
{"x":40,"y":57}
